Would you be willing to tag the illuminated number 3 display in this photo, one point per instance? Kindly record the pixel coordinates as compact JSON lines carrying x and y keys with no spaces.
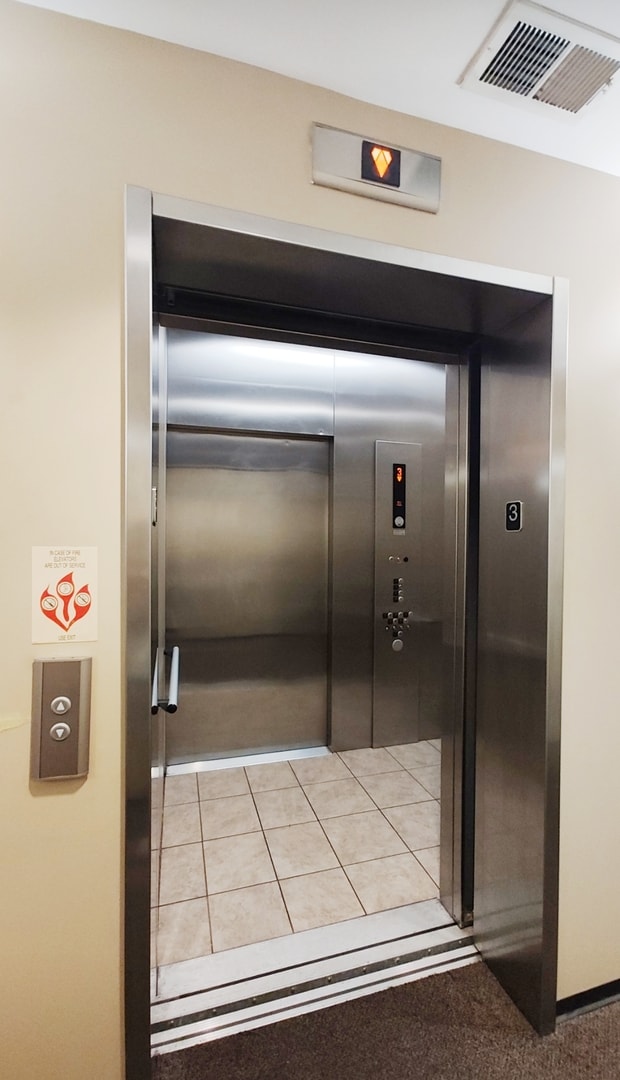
{"x":514,"y":516}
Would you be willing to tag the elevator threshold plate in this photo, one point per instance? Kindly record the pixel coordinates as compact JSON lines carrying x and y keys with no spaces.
{"x":244,"y":760}
{"x":274,"y":980}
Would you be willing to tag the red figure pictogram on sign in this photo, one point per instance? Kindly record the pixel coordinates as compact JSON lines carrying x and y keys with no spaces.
{"x":67,"y":606}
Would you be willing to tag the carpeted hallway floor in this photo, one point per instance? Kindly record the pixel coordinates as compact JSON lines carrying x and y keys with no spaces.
{"x":455,"y":1026}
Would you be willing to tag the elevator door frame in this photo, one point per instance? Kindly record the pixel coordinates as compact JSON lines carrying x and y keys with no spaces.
{"x":477,"y":298}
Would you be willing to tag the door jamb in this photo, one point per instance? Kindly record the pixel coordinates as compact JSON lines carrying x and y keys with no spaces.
{"x":140,"y":206}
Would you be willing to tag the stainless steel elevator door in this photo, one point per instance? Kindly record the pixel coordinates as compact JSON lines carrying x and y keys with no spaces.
{"x":246,"y":592}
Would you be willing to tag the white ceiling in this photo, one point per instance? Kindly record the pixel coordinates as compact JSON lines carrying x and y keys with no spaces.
{"x":402,"y":54}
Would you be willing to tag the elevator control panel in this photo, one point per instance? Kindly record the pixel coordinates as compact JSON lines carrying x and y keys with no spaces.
{"x":398,"y":501}
{"x":60,"y":718}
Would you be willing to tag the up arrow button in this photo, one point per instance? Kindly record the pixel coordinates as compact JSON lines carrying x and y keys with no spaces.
{"x":60,"y":705}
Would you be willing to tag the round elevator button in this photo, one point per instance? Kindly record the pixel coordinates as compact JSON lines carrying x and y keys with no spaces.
{"x":60,"y":705}
{"x":59,"y":732}
{"x":397,"y":644}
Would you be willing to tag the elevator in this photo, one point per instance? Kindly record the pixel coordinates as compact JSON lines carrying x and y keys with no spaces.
{"x":305,"y":564}
{"x":325,"y":438}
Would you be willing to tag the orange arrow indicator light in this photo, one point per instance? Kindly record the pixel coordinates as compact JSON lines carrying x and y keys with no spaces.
{"x":380,"y":164}
{"x":382,"y":158}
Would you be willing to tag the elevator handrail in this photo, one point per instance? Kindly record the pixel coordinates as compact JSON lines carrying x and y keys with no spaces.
{"x":155,"y":688}
{"x":173,"y":686}
{"x":171,"y":703}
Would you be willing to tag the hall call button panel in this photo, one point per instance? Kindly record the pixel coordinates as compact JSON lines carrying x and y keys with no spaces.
{"x":60,"y":734}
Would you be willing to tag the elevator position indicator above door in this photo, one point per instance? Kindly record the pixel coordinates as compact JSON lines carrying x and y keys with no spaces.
{"x":381,"y":164}
{"x":399,"y":508}
{"x":514,"y":516}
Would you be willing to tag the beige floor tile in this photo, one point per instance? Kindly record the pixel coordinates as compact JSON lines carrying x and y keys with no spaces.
{"x":430,"y":778}
{"x":429,"y":857}
{"x":228,"y":817}
{"x":338,"y":797}
{"x":413,"y":755}
{"x":394,"y":789}
{"x":182,"y":874}
{"x":235,"y":862}
{"x":181,"y":824}
{"x":418,"y":824}
{"x":157,"y":791}
{"x":183,"y":931}
{"x":277,"y":774}
{"x":220,"y":783}
{"x":320,"y":899}
{"x":247,"y":915}
{"x":388,"y":883}
{"x":319,"y":769}
{"x":180,"y":789}
{"x":300,"y":849}
{"x":368,"y":761}
{"x":361,"y":837}
{"x":286,"y":806}
{"x":436,"y":743}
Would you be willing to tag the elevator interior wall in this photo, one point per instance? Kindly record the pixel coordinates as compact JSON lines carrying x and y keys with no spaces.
{"x":273,"y":547}
{"x":246,"y":591}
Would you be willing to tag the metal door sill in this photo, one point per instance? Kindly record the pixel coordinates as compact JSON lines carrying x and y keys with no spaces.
{"x":273,"y":991}
{"x":244,"y":760}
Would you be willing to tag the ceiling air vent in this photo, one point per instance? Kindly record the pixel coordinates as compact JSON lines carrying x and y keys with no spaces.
{"x":543,"y":57}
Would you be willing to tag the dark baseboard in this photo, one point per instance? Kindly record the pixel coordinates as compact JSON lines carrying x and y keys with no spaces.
{"x":588,"y":999}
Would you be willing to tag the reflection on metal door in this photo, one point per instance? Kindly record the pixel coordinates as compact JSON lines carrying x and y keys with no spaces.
{"x":246,"y":591}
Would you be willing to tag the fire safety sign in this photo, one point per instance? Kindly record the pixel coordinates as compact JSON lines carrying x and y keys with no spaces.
{"x":64,"y":594}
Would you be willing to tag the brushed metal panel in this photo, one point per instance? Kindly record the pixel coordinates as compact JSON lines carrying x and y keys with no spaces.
{"x":398,"y":567}
{"x":512,"y":662}
{"x":137,"y":628}
{"x":249,"y":384}
{"x":246,"y":592}
{"x":158,"y":544}
{"x":381,"y":398}
{"x":336,"y":162}
{"x":458,"y":731}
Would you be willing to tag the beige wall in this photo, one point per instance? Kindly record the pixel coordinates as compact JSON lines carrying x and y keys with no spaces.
{"x":86,"y":110}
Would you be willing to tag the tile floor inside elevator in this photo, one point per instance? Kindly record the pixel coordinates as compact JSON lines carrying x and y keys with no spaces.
{"x":248,"y":854}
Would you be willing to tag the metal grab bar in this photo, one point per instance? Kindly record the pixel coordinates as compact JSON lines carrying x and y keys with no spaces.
{"x":155,"y":688}
{"x":170,"y":704}
{"x":173,"y":687}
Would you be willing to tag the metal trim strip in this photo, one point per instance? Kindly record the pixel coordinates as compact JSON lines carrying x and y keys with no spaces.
{"x":555,"y":606}
{"x":136,"y":636}
{"x":358,"y":987}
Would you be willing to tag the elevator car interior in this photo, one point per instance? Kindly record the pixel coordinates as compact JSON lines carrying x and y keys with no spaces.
{"x":345,"y":475}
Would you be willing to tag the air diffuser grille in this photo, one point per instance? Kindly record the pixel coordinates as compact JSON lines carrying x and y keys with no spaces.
{"x":545,"y":57}
{"x":525,"y":57}
{"x":576,"y":80}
